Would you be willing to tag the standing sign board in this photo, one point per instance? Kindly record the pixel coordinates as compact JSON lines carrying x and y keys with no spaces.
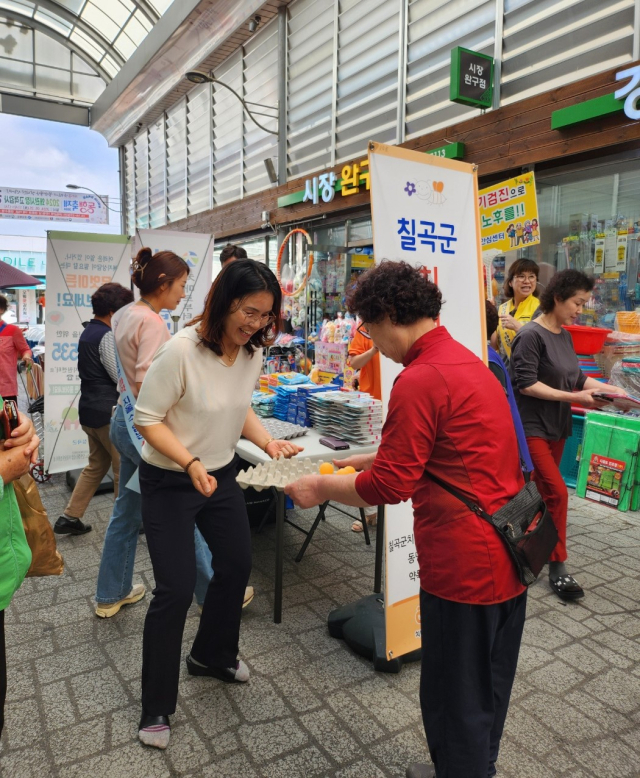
{"x":471,"y":79}
{"x":77,"y":264}
{"x":37,"y":205}
{"x":509,"y":214}
{"x":425,"y":212}
{"x":197,"y":251}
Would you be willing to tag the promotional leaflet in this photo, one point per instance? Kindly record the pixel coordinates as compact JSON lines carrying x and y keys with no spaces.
{"x":77,"y":264}
{"x":604,"y":480}
{"x":425,"y":212}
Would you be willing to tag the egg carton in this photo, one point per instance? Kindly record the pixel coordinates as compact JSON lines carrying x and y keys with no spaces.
{"x":283,"y":430}
{"x":276,"y":473}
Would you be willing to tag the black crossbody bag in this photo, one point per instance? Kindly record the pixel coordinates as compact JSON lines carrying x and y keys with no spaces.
{"x":524,"y":524}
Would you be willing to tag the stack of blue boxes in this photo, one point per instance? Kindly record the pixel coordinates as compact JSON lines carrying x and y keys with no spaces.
{"x":291,"y":402}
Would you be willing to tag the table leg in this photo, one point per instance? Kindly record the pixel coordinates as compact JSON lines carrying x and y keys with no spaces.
{"x":311,"y":532}
{"x":277,"y":603}
{"x":377,"y":579}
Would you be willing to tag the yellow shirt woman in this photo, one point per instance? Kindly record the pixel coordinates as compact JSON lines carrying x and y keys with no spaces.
{"x":523,"y":314}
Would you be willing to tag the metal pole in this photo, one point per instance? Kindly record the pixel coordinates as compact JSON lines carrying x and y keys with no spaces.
{"x":282,"y":94}
{"x":497,"y":52}
{"x":123,"y":191}
{"x":377,"y":578}
{"x":277,"y":601}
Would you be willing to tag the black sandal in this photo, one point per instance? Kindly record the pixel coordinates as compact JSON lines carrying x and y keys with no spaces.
{"x":566,"y":587}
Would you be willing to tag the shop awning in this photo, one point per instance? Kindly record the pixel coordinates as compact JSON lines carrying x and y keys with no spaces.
{"x":11,"y":277}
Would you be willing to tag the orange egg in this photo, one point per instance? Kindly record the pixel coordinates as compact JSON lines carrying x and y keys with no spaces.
{"x":342,"y":471}
{"x":326,"y":468}
{"x":348,"y":469}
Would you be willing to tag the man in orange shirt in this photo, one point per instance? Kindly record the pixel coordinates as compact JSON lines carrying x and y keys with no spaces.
{"x":364,"y":356}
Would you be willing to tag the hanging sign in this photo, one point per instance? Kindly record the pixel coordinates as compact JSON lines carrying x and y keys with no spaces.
{"x":197,"y":251}
{"x":46,"y":206}
{"x":424,"y":211}
{"x":27,"y":309}
{"x":471,"y":79}
{"x":77,"y":264}
{"x":325,"y":186}
{"x":509,"y":214}
{"x":598,"y":259}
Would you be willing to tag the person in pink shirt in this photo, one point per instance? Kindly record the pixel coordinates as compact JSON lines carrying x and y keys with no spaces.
{"x":138,"y":331}
{"x":13,"y":347}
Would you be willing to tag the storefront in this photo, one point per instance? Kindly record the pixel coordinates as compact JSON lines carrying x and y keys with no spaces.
{"x":586,"y":159}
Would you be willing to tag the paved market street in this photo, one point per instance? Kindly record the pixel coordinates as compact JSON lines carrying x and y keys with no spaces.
{"x":312,"y":708}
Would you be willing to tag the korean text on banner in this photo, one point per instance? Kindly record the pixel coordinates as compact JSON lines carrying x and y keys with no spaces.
{"x":77,"y":264}
{"x":424,"y":212}
{"x":197,"y":251}
{"x":509,"y":214}
{"x":36,"y":205}
{"x":27,"y":310}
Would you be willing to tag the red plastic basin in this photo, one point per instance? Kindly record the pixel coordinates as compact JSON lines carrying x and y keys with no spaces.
{"x":587,"y":340}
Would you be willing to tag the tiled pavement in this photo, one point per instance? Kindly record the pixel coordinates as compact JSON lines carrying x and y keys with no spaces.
{"x":312,"y":708}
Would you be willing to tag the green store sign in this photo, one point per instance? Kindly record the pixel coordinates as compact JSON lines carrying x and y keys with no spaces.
{"x":346,"y":186}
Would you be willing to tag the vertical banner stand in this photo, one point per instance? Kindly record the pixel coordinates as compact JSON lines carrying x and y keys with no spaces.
{"x":425,"y":212}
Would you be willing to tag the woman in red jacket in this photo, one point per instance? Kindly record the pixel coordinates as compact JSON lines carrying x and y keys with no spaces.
{"x":447,"y":416}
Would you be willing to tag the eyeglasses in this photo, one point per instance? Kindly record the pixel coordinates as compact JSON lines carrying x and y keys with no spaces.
{"x":522,"y":277}
{"x":262,"y":320}
{"x":361,"y":328}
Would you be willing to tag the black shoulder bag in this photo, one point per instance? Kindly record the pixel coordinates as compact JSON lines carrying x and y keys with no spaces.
{"x":524,"y":524}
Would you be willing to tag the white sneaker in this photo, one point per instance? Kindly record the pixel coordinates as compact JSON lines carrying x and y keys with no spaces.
{"x":249,"y":594}
{"x":105,"y":610}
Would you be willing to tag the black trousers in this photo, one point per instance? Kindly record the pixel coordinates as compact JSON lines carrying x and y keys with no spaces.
{"x":171,"y":507}
{"x":3,"y":671}
{"x":469,"y":660}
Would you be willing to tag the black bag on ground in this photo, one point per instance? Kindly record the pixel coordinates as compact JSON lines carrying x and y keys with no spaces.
{"x":524,"y":524}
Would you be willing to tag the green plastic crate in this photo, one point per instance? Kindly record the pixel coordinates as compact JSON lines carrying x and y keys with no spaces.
{"x":610,"y":440}
{"x":570,"y":462}
{"x":629,"y":423}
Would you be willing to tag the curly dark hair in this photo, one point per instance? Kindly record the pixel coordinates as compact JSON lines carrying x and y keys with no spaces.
{"x":109,"y":298}
{"x":491,"y":313}
{"x":397,"y":290}
{"x":562,"y":286}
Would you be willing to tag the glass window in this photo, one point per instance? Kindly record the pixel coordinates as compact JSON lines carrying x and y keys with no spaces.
{"x":590,"y":221}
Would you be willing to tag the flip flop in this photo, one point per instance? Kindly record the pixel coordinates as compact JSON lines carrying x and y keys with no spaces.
{"x":566,"y":587}
{"x":357,"y":525}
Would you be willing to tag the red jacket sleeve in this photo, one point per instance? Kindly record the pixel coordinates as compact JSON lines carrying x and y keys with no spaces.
{"x":19,"y":342}
{"x":418,"y":407}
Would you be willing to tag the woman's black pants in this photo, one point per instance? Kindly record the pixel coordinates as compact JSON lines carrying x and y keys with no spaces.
{"x":171,"y":507}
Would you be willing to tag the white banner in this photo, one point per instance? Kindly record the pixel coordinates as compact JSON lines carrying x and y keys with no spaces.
{"x":77,"y":264}
{"x":425,"y":212}
{"x":197,"y":251}
{"x":36,"y":205}
{"x":27,"y":309}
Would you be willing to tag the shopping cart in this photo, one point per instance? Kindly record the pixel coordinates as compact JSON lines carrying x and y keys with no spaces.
{"x":35,"y":392}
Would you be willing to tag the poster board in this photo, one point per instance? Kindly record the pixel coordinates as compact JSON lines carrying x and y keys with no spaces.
{"x":509,"y":214}
{"x":77,"y":264}
{"x":197,"y":251}
{"x":425,"y":212}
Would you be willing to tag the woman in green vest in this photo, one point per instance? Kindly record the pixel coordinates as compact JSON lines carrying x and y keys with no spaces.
{"x":16,"y":456}
{"x":520,"y":288}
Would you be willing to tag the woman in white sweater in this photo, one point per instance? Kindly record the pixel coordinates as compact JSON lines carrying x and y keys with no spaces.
{"x":193,"y":407}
